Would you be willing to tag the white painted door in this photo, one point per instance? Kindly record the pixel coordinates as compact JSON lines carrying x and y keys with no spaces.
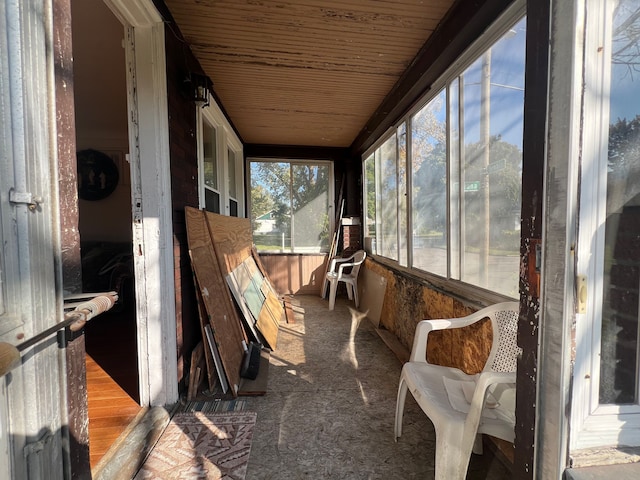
{"x":606,"y":387}
{"x":32,"y":407}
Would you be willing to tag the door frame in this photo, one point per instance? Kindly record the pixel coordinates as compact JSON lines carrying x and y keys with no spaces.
{"x":151,"y":199}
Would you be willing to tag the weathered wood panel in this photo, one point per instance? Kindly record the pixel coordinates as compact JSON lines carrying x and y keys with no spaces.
{"x":295,"y":273}
{"x":222,"y":314}
{"x":77,"y":403}
{"x":232,"y":239}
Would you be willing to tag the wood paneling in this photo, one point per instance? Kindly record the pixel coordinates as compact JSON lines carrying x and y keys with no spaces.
{"x":304,"y":72}
{"x":295,"y":274}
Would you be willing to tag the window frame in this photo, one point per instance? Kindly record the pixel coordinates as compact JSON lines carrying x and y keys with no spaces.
{"x":509,"y":17}
{"x":226,"y":140}
{"x":594,"y":424}
{"x":330,"y":193}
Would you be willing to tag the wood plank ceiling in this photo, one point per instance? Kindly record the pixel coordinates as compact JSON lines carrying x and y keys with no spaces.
{"x":305,"y":72}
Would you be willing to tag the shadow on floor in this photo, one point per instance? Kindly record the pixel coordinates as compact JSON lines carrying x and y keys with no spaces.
{"x":329,"y":410}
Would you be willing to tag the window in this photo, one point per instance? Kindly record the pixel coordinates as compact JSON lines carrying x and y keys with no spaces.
{"x":607,"y":372}
{"x":443,"y":190}
{"x":220,"y":165}
{"x":290,"y":205}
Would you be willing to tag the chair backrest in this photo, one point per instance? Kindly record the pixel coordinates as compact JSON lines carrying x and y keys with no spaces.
{"x":358,"y":259}
{"x":504,"y":350}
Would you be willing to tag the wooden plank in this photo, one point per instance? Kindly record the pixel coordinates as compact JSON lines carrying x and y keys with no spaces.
{"x":223,"y":317}
{"x":288,"y":310}
{"x":208,"y":356}
{"x":268,"y":323}
{"x":259,"y":385}
{"x":195,"y":370}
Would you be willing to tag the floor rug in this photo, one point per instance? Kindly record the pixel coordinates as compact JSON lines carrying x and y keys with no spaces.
{"x":204,"y":446}
{"x":211,"y":406}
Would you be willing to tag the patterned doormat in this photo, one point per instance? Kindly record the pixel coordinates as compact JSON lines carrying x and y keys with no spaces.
{"x":206,"y":446}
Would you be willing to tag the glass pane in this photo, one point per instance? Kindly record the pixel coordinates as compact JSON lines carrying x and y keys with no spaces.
{"x":370,"y":204}
{"x":271,"y":205}
{"x":310,"y":204}
{"x":402,"y":194}
{"x":231,"y":162}
{"x":429,"y":186}
{"x":491,"y":153}
{"x":211,"y":200}
{"x":210,"y":162}
{"x":233,"y":208}
{"x":619,"y":352}
{"x":388,"y":205}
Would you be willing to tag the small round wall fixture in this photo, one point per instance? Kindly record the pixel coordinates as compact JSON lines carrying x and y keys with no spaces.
{"x":97,"y":175}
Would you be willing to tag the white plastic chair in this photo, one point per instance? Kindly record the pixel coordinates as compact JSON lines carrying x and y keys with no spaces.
{"x":350,"y":278}
{"x":443,"y":394}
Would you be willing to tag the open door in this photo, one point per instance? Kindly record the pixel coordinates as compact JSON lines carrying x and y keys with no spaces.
{"x":32,"y":406}
{"x":105,"y":220}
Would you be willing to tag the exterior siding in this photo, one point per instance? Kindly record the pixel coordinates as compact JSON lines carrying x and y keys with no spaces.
{"x":184,"y":192}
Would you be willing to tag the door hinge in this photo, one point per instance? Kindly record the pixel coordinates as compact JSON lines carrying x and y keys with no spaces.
{"x":25,"y":198}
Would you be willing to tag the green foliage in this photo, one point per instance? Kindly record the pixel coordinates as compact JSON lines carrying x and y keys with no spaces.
{"x":293,"y":190}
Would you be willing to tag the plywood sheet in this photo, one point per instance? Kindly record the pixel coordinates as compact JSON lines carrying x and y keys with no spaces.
{"x":372,"y":289}
{"x":223,"y":318}
{"x":259,"y":385}
{"x":232,"y":239}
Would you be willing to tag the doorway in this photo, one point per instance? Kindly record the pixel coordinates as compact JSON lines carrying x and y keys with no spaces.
{"x":105,"y":219}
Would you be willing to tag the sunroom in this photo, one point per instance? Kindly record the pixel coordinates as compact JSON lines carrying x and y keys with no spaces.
{"x":479,"y":152}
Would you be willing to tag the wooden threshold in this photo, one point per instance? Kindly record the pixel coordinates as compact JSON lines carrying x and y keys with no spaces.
{"x":111,"y":410}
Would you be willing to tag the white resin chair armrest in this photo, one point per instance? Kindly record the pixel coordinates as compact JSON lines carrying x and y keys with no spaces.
{"x":335,"y":261}
{"x":419,"y":349}
{"x":485,"y":380}
{"x":342,"y":266}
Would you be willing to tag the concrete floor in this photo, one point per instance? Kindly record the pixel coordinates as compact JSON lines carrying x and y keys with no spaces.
{"x":329,"y":410}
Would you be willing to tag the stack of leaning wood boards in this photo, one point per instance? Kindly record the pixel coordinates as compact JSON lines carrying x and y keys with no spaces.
{"x":237,"y":302}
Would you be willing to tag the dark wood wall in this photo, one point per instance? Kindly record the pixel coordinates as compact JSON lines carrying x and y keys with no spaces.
{"x":184,"y":188}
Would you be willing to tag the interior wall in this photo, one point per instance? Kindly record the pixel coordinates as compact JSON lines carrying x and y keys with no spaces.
{"x":101,"y":114}
{"x":408,"y":301}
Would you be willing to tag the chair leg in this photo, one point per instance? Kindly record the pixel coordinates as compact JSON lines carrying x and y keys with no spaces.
{"x":333,"y":286}
{"x":349,"y":291}
{"x":453,"y":452}
{"x":355,"y":295}
{"x":402,"y":396}
{"x":324,"y":287}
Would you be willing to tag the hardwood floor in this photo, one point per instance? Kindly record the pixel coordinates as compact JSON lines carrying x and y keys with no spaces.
{"x":111,"y":409}
{"x":112,"y":379}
